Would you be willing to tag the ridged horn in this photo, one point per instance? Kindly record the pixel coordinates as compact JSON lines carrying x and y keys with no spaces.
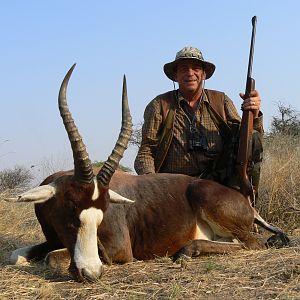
{"x":113,"y":160}
{"x":83,"y":171}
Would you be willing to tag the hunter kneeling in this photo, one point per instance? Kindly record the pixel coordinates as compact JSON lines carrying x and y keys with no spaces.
{"x":193,"y":130}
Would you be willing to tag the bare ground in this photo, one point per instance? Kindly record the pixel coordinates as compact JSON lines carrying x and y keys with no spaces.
{"x":269,"y":274}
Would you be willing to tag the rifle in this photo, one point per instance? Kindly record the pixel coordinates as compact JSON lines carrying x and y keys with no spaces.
{"x":244,"y":155}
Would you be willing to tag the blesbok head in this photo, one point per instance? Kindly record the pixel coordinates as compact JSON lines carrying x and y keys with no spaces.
{"x":75,"y":203}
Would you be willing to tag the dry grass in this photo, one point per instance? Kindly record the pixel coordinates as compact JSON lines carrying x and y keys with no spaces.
{"x":269,"y":274}
{"x":279,"y":189}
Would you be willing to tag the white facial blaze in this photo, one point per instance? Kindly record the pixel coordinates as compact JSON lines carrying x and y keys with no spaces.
{"x":86,"y":250}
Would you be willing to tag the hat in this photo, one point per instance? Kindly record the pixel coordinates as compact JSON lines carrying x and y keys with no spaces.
{"x":191,"y":53}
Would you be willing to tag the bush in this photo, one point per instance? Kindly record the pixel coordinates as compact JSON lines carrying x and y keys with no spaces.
{"x":136,"y":137}
{"x":287,"y":123}
{"x":18,"y":179}
{"x":120,"y":167}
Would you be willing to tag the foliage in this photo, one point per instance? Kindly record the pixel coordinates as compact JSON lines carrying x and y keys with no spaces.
{"x":100,"y":163}
{"x":18,"y":178}
{"x":288,"y":123}
{"x":136,"y":136}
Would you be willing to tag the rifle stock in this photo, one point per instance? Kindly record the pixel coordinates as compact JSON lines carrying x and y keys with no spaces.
{"x":245,"y":151}
{"x":245,"y":147}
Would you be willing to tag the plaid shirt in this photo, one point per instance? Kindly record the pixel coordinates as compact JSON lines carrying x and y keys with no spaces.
{"x":179,"y":158}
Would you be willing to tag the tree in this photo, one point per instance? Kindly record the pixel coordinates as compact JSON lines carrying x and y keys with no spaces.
{"x":288,"y":123}
{"x":100,"y":163}
{"x":136,"y":136}
{"x":18,"y":178}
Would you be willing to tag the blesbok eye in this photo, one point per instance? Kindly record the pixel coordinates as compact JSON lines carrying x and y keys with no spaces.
{"x":75,"y":224}
{"x":71,"y":215}
{"x":71,"y":206}
{"x":70,"y":198}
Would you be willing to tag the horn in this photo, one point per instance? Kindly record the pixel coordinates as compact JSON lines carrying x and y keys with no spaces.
{"x":83,"y":171}
{"x":112,"y":162}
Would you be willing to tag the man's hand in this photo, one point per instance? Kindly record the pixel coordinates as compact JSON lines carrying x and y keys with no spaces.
{"x":252,"y":103}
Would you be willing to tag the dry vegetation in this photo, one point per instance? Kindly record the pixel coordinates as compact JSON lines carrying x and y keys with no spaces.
{"x":269,"y":274}
{"x":280,"y":185}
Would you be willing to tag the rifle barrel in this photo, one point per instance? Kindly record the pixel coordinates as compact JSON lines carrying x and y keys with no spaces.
{"x":249,"y":73}
{"x":244,"y":151}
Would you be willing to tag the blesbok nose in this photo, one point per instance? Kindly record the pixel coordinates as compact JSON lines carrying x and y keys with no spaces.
{"x":93,"y":275}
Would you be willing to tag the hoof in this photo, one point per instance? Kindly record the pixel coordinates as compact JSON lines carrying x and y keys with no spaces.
{"x":278,"y":240}
{"x":178,"y":257}
{"x":58,"y":259}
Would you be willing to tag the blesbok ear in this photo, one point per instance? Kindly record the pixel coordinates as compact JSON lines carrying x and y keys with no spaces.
{"x":38,"y":194}
{"x":117,"y":198}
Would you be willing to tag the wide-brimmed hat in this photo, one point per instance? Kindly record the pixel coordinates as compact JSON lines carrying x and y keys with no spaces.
{"x":188,"y":53}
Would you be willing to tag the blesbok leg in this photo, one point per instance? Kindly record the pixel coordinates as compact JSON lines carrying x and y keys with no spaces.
{"x":198,"y":247}
{"x":228,"y":213}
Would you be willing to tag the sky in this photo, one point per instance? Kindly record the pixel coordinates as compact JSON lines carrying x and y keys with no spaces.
{"x":40,"y":40}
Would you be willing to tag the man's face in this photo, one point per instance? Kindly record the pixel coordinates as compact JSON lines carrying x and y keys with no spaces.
{"x":189,"y":75}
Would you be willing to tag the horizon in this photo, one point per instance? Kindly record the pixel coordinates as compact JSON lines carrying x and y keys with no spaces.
{"x":41,"y":40}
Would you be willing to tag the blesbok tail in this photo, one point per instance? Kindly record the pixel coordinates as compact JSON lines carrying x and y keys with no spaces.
{"x":279,"y":234}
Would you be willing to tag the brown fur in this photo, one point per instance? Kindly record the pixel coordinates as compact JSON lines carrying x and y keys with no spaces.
{"x":59,"y":216}
{"x":162,"y":220}
{"x":229,"y":207}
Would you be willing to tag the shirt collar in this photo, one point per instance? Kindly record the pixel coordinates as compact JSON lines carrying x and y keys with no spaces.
{"x":180,"y":98}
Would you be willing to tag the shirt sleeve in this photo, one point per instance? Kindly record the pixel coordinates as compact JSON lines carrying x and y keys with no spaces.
{"x":233,"y":116}
{"x":144,"y":162}
{"x":258,"y":123}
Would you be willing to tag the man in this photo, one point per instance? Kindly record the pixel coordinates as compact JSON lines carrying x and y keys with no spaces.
{"x":188,"y":130}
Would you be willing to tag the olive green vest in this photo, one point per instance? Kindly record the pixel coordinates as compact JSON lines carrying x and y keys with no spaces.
{"x":169,"y":104}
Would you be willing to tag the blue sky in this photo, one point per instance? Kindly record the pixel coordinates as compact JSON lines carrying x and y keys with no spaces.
{"x":40,"y":40}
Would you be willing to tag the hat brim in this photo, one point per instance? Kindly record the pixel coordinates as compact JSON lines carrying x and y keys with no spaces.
{"x":170,"y":68}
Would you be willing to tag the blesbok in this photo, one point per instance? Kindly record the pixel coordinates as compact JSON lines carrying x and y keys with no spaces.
{"x":171,"y":214}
